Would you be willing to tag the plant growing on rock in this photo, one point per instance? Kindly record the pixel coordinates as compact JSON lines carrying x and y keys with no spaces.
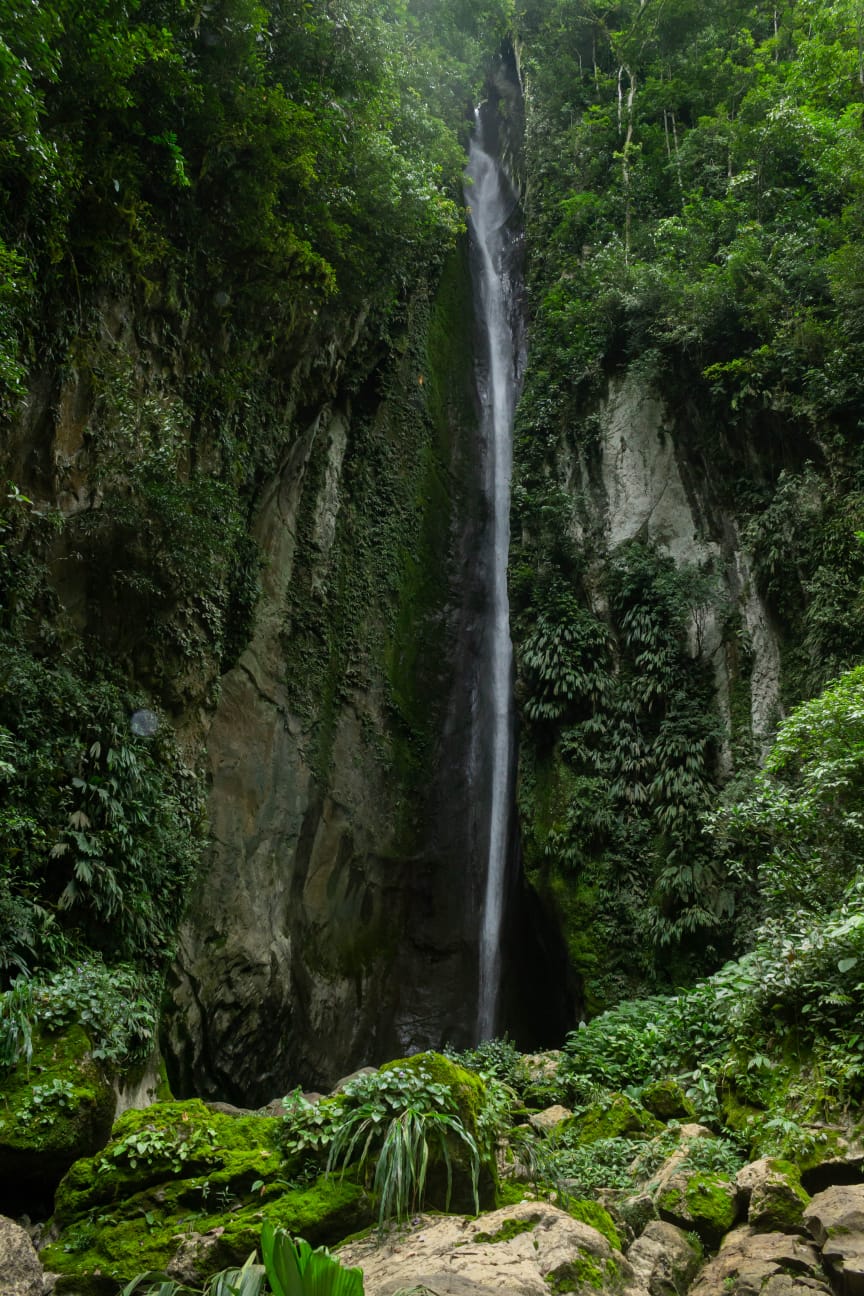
{"x":398,"y":1119}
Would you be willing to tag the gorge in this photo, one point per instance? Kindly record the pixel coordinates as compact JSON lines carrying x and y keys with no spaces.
{"x":263,"y":368}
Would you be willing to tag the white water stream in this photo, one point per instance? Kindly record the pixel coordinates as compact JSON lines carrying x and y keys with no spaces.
{"x":491,"y":200}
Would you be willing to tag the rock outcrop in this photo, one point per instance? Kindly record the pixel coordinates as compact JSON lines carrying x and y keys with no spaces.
{"x":523,"y":1250}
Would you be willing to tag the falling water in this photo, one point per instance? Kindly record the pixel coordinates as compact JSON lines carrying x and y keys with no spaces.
{"x":492,"y":200}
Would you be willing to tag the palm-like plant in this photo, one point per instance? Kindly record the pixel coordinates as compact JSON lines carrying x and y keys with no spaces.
{"x":403,"y":1158}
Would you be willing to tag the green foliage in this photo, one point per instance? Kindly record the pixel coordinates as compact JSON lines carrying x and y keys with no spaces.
{"x":46,"y":1102}
{"x":394,"y":1120}
{"x":635,"y":740}
{"x":158,"y":1147}
{"x":294,"y":1269}
{"x":799,"y":829}
{"x":290,"y":1268}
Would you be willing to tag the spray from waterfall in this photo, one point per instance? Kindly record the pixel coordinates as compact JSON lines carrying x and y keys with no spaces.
{"x":491,"y":201}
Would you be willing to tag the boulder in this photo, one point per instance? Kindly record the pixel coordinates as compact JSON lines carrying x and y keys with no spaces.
{"x":666,"y":1100}
{"x":55,"y":1110}
{"x":530,"y":1249}
{"x":772,"y":1264}
{"x":835,"y":1218}
{"x":703,"y":1203}
{"x":20,"y":1270}
{"x":664,"y":1259}
{"x":545,"y":1122}
{"x":617,"y":1117}
{"x":774,"y":1196}
{"x":128,"y":1209}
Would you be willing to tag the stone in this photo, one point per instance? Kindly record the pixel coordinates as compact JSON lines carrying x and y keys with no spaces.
{"x":617,"y":1117}
{"x":837,"y":1209}
{"x":664,"y":1259}
{"x":530,"y":1249}
{"x":774,"y":1196}
{"x":39,"y":1144}
{"x":835,"y":1218}
{"x":552,"y":1118}
{"x":749,"y":1262}
{"x":666,"y":1100}
{"x":20,"y":1270}
{"x":361,"y":1071}
{"x":704,"y":1203}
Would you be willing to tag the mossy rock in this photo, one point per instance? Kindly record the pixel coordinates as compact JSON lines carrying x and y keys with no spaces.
{"x":179,"y":1175}
{"x":587,"y":1275}
{"x":51,"y":1114}
{"x":147,"y":1230}
{"x":666,"y":1100}
{"x":469,"y":1093}
{"x":702,"y":1203}
{"x":591,"y":1212}
{"x":778,"y":1201}
{"x":618,"y":1117}
{"x":171,"y":1142}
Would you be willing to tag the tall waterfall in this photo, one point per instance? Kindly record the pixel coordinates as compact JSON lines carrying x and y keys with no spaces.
{"x":492,"y":201}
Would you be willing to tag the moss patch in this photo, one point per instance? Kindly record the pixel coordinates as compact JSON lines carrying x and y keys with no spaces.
{"x":666,"y":1100}
{"x":618,"y":1118}
{"x":52,"y":1113}
{"x":585,"y":1274}
{"x":591,"y":1212}
{"x":509,"y":1229}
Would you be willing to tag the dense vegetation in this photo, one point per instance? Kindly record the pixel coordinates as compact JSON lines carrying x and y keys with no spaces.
{"x":695,"y":219}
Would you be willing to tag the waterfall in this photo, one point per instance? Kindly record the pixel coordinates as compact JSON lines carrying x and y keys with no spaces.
{"x":491,"y":200}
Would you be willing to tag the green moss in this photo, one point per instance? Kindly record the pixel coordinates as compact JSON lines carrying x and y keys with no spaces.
{"x":468,"y":1089}
{"x":705,"y":1203}
{"x":54,"y":1112}
{"x":509,"y":1229}
{"x":617,"y":1118}
{"x":591,"y":1212}
{"x":142,"y":1231}
{"x":228,"y":1152}
{"x":666,"y":1100}
{"x":585,"y":1272}
{"x":511,"y":1193}
{"x":777,"y":1204}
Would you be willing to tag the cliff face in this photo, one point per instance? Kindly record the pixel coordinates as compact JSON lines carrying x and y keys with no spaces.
{"x":335,"y":923}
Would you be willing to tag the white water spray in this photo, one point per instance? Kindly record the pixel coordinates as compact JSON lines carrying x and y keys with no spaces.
{"x":491,"y":200}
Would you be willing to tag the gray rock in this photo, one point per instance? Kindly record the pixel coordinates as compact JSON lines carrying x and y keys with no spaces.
{"x":776,"y":1198}
{"x":664,"y":1259}
{"x":835,"y":1218}
{"x":523,"y":1250}
{"x":361,"y":1071}
{"x":20,"y":1270}
{"x":749,"y":1262}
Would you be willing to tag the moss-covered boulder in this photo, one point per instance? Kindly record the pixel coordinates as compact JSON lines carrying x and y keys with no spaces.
{"x":56,"y":1110}
{"x":179,"y":1178}
{"x":776,"y":1200}
{"x":470,"y":1099}
{"x":618,"y":1117}
{"x":703,"y":1203}
{"x":666,"y":1100}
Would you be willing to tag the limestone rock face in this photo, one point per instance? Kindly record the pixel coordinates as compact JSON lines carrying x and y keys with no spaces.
{"x":20,"y":1270}
{"x":664,"y":1259}
{"x":524,"y":1250}
{"x":772,"y":1264}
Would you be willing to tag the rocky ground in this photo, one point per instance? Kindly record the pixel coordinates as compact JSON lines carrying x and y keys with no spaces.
{"x":182,"y":1188}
